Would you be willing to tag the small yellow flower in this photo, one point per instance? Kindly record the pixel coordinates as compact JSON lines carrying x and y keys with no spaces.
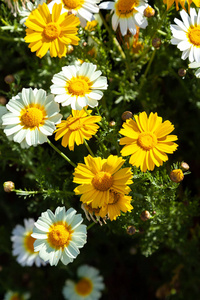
{"x":76,"y":128}
{"x":91,"y":25}
{"x":176,"y":175}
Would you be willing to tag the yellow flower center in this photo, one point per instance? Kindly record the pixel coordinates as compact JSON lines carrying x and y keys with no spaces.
{"x":84,"y":287}
{"x":32,"y":117}
{"x":125,"y":7}
{"x":147,"y":140}
{"x":58,"y":236}
{"x":28,"y":243}
{"x":74,"y":123}
{"x":102,"y":181}
{"x":73,"y":4}
{"x":52,"y":31}
{"x":78,"y":86}
{"x":194,"y":35}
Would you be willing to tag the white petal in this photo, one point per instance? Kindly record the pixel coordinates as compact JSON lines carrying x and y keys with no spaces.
{"x":123,"y":26}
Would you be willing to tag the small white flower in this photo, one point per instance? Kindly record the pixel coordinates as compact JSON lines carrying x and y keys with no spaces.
{"x":84,"y":9}
{"x":31,"y":118}
{"x":186,"y":35}
{"x":88,"y":287}
{"x":127,"y":14}
{"x":23,"y":245}
{"x":10,"y":295}
{"x":79,"y":86}
{"x":24,"y":12}
{"x":195,"y":65}
{"x":59,"y":236}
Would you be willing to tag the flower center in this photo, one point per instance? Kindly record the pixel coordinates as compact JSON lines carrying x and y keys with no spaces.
{"x":32,"y":117}
{"x":84,"y":287}
{"x":74,"y":123}
{"x":52,"y":31}
{"x":73,"y":4}
{"x":28,"y":242}
{"x":58,"y":236}
{"x":194,"y":35}
{"x":102,"y":181}
{"x":126,"y":6}
{"x":147,"y":140}
{"x":78,"y":87}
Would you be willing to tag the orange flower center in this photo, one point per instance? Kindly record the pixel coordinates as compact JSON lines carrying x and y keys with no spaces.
{"x":126,"y":6}
{"x":74,"y":124}
{"x":32,"y":117}
{"x":73,"y":4}
{"x":28,"y":242}
{"x":78,"y":86}
{"x":194,"y":35}
{"x":102,"y":181}
{"x":84,"y":287}
{"x":58,"y":236}
{"x":52,"y":31}
{"x":147,"y":140}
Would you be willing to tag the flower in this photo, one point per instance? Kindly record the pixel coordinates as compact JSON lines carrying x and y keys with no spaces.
{"x":23,"y":244}
{"x":195,"y":65}
{"x":79,"y":86}
{"x":127,"y":13}
{"x":59,"y":236}
{"x":76,"y":128}
{"x":31,"y":118}
{"x":10,"y":295}
{"x":24,"y":11}
{"x":98,"y":176}
{"x":88,"y":287}
{"x":186,"y":35}
{"x":171,"y":2}
{"x":8,"y":186}
{"x":52,"y":32}
{"x":3,"y":111}
{"x":147,"y":140}
{"x":84,"y":9}
{"x":176,"y":175}
{"x":91,"y":25}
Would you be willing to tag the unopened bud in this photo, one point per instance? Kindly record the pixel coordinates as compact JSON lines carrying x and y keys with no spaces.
{"x":176,"y":175}
{"x":149,"y":12}
{"x":181,"y":72}
{"x":9,"y":79}
{"x":145,"y":215}
{"x":127,"y":115}
{"x":131,"y":230}
{"x":112,"y":123}
{"x":156,"y":43}
{"x":70,"y":49}
{"x":3,"y":100}
{"x":8,"y":186}
{"x":184,"y":166}
{"x":84,"y":44}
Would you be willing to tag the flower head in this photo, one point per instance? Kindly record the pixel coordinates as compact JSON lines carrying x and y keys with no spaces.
{"x":127,"y":14}
{"x":176,"y":175}
{"x":31,"y":118}
{"x":147,"y":140}
{"x":52,"y":32}
{"x":88,"y":287}
{"x":23,"y":244}
{"x":76,"y":128}
{"x":186,"y":35}
{"x":79,"y":86}
{"x":177,"y":2}
{"x":98,"y":176}
{"x":10,"y":295}
{"x":59,"y":236}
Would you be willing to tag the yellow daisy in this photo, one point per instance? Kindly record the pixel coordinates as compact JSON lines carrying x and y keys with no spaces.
{"x":76,"y":128}
{"x":52,"y":32}
{"x":181,"y":2}
{"x":117,"y":203}
{"x":147,"y":140}
{"x":98,"y":176}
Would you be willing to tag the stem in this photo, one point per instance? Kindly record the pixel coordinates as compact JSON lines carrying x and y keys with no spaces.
{"x":91,"y":225}
{"x":61,"y":153}
{"x":88,"y":147}
{"x":147,"y":70}
{"x":11,"y":39}
{"x":23,"y":193}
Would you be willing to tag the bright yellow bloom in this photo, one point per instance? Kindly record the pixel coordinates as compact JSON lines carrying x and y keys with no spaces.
{"x":91,"y":25}
{"x":181,"y":2}
{"x":98,"y":176}
{"x":147,"y":140}
{"x":176,"y":175}
{"x":52,"y":32}
{"x":76,"y":128}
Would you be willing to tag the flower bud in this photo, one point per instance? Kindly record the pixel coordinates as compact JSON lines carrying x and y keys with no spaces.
{"x":8,"y":186}
{"x":182,"y":72}
{"x":3,"y":100}
{"x":131,"y":230}
{"x":112,"y":123}
{"x":145,"y":215}
{"x":9,"y":79}
{"x":156,"y":43}
{"x":127,"y":115}
{"x":70,"y":49}
{"x":176,"y":175}
{"x":149,"y":12}
{"x":184,"y":166}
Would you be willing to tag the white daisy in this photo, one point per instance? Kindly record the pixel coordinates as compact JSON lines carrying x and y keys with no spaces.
{"x":10,"y":295}
{"x":127,"y":14}
{"x":3,"y":111}
{"x":24,"y":11}
{"x":79,"y":86}
{"x":195,"y":65}
{"x":31,"y":118}
{"x":84,"y":9}
{"x":88,"y":287}
{"x":59,"y":236}
{"x":23,"y":245}
{"x":186,"y":35}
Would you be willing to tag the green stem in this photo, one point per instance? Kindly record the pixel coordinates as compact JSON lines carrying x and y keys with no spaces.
{"x":147,"y":70}
{"x":88,"y":147}
{"x":61,"y":153}
{"x":91,"y":225}
{"x":11,"y":39}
